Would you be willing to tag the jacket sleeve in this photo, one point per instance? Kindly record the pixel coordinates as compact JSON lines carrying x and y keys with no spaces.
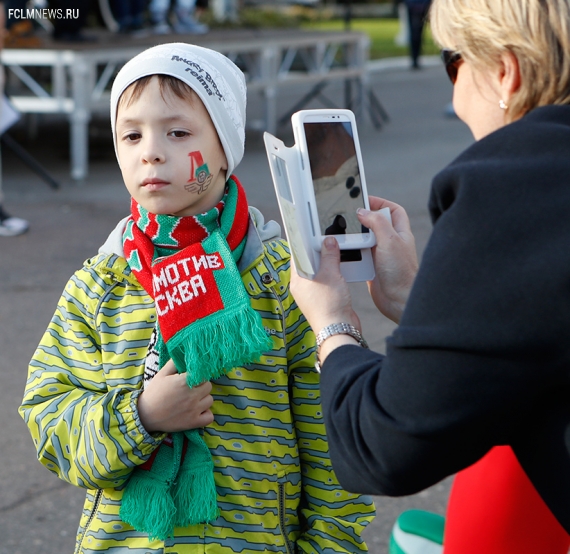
{"x":83,"y":422}
{"x":333,"y":519}
{"x":481,"y":353}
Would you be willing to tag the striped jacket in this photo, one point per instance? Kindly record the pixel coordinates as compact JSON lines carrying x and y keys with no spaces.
{"x":276,"y":489}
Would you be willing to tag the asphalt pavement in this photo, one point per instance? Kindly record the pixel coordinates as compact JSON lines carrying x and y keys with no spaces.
{"x":38,"y":512}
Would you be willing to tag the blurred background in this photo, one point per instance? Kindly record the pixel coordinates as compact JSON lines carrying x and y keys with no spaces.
{"x":62,"y":189}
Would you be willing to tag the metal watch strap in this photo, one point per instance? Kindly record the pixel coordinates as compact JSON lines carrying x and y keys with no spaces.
{"x":338,"y":329}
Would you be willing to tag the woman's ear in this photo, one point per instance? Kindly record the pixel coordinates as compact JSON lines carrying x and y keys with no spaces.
{"x":509,"y":76}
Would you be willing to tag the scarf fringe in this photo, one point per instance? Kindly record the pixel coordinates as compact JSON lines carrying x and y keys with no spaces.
{"x":157,"y":517}
{"x":216,"y":346}
{"x":195,"y":496}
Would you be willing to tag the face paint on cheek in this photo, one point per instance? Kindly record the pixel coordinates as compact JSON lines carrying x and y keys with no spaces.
{"x":200,"y":176}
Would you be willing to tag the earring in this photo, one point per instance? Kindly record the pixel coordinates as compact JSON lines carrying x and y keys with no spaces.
{"x":502,"y":105}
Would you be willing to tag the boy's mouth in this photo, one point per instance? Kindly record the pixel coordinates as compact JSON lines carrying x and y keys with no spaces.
{"x":154,"y":183}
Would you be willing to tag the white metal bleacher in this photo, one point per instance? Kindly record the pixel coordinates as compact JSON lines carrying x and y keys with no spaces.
{"x":79,"y":81}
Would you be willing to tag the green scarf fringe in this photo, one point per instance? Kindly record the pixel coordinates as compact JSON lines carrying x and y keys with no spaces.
{"x":219,"y":344}
{"x":157,"y":519}
{"x":188,"y":498}
{"x":195,"y":495}
{"x":153,"y":489}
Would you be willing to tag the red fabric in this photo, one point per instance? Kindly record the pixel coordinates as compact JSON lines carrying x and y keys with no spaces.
{"x":186,"y":231}
{"x":185,"y":289}
{"x":183,"y":284}
{"x":494,"y":509}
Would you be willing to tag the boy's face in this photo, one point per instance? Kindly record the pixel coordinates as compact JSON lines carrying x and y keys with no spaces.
{"x":170,"y":154}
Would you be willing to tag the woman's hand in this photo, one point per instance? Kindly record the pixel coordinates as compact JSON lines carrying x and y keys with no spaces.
{"x":326,"y":299}
{"x":395,"y":257}
{"x":168,"y":404}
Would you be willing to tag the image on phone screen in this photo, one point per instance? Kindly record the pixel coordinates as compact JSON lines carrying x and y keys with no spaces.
{"x":336,"y":177}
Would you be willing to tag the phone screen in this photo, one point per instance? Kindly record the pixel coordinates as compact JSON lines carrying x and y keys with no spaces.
{"x":336,"y":177}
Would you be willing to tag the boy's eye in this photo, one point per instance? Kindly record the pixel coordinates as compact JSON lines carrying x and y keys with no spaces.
{"x":132,"y":137}
{"x":179,"y":134}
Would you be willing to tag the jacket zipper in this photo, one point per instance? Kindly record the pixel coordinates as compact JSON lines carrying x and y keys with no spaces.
{"x":281,"y":486}
{"x":283,"y":318}
{"x":96,"y":503}
{"x":282,"y":527}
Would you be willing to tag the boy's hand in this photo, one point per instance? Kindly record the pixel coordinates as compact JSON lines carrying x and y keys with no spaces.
{"x":168,"y":404}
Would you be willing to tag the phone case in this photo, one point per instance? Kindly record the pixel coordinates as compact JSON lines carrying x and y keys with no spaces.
{"x":285,"y":166}
{"x":335,"y":159}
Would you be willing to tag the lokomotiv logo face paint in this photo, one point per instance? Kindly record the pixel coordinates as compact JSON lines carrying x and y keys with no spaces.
{"x":200,"y":176}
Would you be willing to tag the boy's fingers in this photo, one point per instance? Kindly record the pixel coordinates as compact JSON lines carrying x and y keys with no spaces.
{"x":168,"y":369}
{"x":206,"y":403}
{"x":207,"y":418}
{"x":204,"y":389}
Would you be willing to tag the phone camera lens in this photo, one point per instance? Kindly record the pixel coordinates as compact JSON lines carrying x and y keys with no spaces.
{"x":354,"y":192}
{"x":350,"y":182}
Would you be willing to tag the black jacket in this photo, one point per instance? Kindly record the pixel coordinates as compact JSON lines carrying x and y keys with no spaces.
{"x":482,"y":353}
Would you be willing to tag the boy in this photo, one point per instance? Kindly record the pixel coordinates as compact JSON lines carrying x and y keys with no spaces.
{"x":190,"y":289}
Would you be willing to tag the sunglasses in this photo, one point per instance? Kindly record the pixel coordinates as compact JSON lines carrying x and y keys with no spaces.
{"x":452,"y":61}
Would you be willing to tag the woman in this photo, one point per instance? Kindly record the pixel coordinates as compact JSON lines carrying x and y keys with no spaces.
{"x":482,"y":352}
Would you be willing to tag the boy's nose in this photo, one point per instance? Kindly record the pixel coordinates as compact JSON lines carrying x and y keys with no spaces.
{"x":153,"y":158}
{"x":153,"y":155}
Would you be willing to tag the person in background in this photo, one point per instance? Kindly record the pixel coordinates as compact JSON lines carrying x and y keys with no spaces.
{"x":417,"y":15}
{"x":129,"y":15}
{"x":10,"y":226}
{"x":20,"y":32}
{"x":71,"y":29}
{"x":201,"y":7}
{"x":403,"y":36}
{"x":185,"y":23}
{"x":481,"y":356}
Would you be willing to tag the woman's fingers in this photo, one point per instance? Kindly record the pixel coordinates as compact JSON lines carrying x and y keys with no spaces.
{"x":400,"y":219}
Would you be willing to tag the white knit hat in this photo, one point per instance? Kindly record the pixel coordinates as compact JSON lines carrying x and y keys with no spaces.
{"x":218,"y":82}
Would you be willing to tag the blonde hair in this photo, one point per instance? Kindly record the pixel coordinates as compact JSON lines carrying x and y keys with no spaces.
{"x":536,"y":32}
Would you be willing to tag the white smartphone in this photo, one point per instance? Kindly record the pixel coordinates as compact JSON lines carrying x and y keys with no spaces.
{"x":333,"y":178}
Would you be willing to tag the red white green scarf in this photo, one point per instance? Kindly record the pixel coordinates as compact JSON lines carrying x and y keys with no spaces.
{"x":207,"y":326}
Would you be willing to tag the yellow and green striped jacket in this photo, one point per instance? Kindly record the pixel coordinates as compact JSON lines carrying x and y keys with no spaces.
{"x":276,"y":489}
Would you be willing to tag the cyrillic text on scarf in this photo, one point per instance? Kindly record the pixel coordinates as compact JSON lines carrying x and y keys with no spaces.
{"x":183,"y":280}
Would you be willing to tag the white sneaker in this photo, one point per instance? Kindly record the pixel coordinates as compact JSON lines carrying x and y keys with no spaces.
{"x":161,"y":29}
{"x":12,"y":226}
{"x":190,"y":28}
{"x":186,"y":24}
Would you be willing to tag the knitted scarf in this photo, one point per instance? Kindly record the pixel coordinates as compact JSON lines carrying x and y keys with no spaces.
{"x":207,"y":326}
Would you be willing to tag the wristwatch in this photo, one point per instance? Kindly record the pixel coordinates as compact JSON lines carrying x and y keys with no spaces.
{"x":337,"y":329}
